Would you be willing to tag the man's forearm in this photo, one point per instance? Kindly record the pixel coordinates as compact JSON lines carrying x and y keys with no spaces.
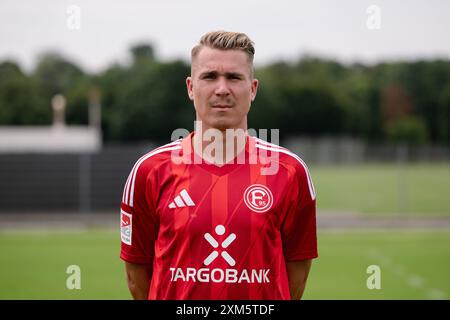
{"x":138,"y":279}
{"x":138,"y":290}
{"x":297,"y":290}
{"x":298,"y":272}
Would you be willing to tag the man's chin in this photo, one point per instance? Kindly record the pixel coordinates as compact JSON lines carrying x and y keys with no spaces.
{"x":220,"y":124}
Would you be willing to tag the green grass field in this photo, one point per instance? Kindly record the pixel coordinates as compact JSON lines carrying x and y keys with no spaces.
{"x":414,"y":265}
{"x":384,"y":189}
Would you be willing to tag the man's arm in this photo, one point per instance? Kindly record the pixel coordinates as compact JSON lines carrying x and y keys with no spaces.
{"x":297,"y":275}
{"x":138,"y":279}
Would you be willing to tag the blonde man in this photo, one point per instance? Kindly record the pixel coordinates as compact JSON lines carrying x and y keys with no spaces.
{"x":203,"y":217}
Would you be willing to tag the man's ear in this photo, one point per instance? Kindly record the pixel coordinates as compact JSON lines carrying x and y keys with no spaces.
{"x":189,"y":85}
{"x":255,"y":83}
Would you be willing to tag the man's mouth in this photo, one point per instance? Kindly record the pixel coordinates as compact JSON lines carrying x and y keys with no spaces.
{"x":222,"y":106}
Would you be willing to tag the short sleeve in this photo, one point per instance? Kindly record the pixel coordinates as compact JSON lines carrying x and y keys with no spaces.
{"x":138,"y":222}
{"x":298,"y":229}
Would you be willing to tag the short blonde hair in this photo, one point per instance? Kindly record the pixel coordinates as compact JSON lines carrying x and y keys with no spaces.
{"x":225,"y":40}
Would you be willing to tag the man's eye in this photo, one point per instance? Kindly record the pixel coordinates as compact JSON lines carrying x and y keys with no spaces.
{"x":208,"y":76}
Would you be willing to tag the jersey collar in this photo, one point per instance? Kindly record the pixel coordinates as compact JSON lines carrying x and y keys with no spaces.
{"x":189,"y":154}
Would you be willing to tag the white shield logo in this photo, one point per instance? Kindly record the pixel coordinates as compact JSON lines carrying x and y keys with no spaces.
{"x":258,"y":198}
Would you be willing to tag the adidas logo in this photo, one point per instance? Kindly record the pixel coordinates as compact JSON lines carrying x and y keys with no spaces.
{"x":179,"y":203}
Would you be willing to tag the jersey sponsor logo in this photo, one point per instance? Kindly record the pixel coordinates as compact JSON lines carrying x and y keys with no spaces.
{"x":258,"y":198}
{"x":220,"y":230}
{"x":126,"y":227}
{"x":182,"y":200}
{"x":219,"y":275}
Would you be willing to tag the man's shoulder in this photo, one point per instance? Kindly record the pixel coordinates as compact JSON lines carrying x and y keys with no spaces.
{"x":289,"y":160}
{"x":157,"y":155}
{"x":142,"y":167}
{"x":286,"y":157}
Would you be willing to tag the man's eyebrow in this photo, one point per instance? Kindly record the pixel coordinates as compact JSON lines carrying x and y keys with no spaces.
{"x":234,"y":74}
{"x":215,"y":73}
{"x":207,"y":73}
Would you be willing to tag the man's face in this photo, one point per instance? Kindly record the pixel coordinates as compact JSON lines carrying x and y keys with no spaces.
{"x":222,"y":88}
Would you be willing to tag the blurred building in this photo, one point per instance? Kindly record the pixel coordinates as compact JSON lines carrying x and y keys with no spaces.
{"x":57,"y":138}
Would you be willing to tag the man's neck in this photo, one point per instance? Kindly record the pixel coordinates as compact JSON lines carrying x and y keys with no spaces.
{"x":219,"y":146}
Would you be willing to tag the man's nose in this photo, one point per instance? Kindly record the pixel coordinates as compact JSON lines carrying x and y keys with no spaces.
{"x":222,"y":88}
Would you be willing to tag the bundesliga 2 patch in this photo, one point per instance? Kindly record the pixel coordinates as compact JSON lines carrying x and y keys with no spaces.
{"x":125,"y":227}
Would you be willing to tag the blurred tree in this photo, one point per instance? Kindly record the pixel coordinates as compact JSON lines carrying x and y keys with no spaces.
{"x":155,"y":102}
{"x":425,"y":81}
{"x":21,"y":102}
{"x":395,"y":104}
{"x":407,"y":129}
{"x":111,"y":82}
{"x":147,"y":100}
{"x":57,"y":75}
{"x":77,"y":101}
{"x":444,"y":115}
{"x":300,"y":98}
{"x":142,"y":53}
{"x":312,"y":110}
{"x":266,"y":110}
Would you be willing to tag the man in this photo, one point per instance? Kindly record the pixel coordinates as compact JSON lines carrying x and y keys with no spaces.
{"x":202,"y":222}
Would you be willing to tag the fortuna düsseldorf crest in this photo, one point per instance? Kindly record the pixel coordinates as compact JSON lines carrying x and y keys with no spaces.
{"x":258,"y":198}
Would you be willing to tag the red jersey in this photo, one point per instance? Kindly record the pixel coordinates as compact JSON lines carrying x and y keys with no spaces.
{"x":218,"y":232}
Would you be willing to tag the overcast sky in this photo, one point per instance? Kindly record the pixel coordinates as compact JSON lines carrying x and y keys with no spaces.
{"x":346,"y":30}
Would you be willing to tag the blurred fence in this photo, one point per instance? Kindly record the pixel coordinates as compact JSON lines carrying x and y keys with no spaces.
{"x":334,"y":151}
{"x":94,"y":182}
{"x":66,"y":182}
